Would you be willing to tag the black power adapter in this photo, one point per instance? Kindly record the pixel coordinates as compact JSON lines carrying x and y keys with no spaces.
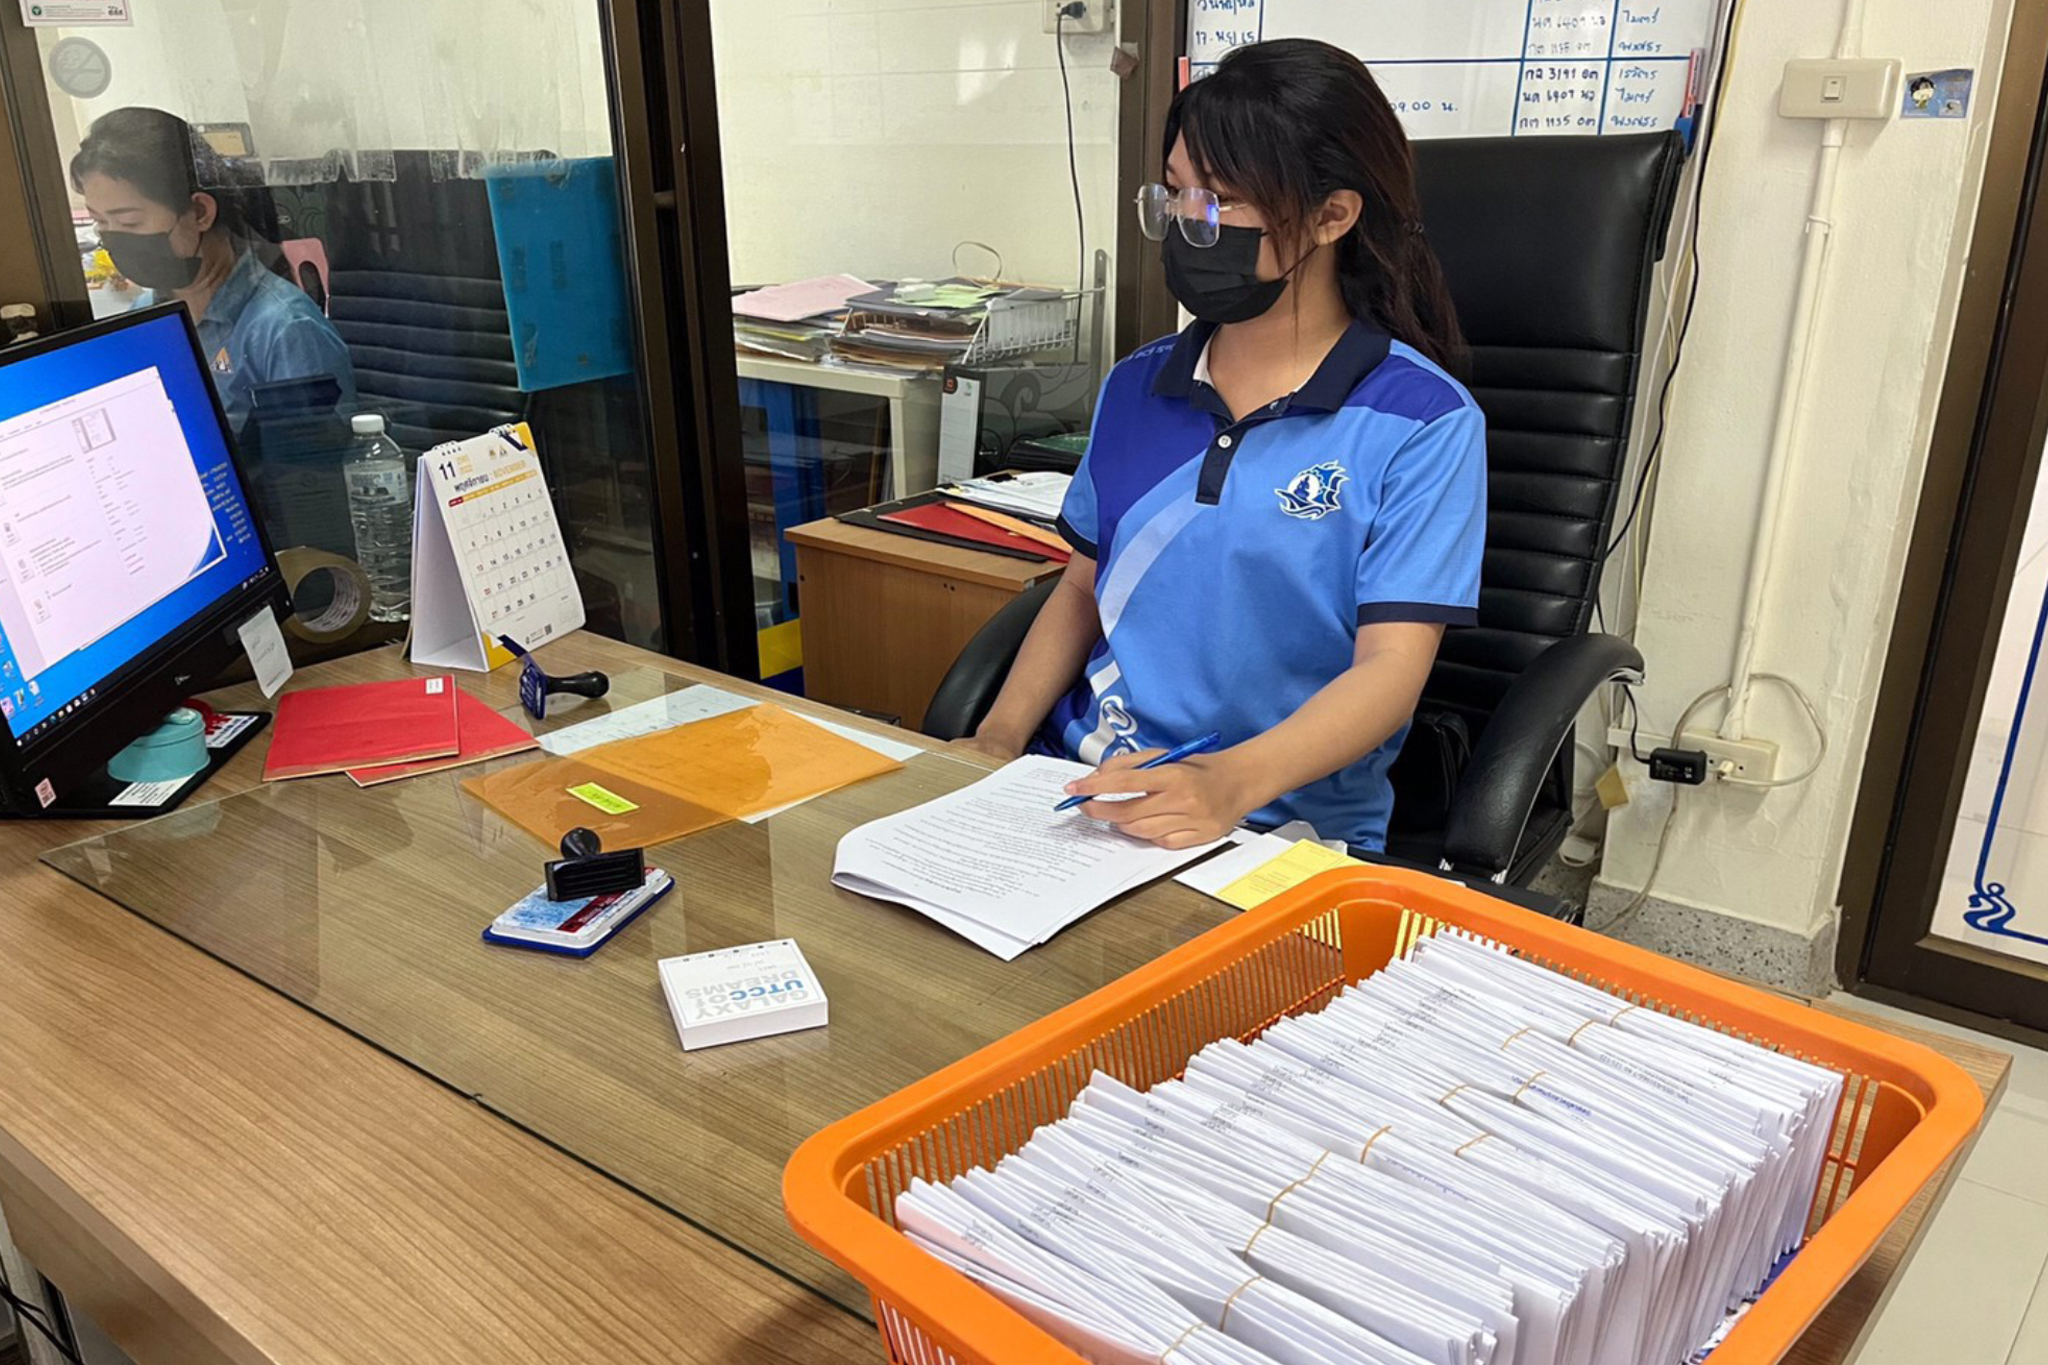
{"x":1686,"y":767}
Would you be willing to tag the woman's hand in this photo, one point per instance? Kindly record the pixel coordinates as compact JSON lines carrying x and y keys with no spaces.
{"x":1002,"y":748}
{"x":1195,"y":801}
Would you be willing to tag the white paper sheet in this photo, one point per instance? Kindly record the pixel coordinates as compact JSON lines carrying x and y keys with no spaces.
{"x":995,"y":863}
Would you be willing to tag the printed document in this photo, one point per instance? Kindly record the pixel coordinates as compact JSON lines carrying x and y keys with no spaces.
{"x":994,"y":863}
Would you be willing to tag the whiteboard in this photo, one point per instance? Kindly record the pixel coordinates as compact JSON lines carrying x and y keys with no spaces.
{"x":1479,"y":68}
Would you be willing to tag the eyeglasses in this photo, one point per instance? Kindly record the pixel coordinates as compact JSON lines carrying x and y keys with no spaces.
{"x":1199,"y":213}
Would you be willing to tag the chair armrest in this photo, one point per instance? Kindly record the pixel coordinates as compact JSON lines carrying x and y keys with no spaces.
{"x":970,"y":686}
{"x":1499,"y":786}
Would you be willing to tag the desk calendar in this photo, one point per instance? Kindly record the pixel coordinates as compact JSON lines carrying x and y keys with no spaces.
{"x":488,"y":556}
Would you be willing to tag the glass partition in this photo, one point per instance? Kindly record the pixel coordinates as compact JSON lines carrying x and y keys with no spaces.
{"x":874,"y":153}
{"x":367,"y":906}
{"x":397,"y":208}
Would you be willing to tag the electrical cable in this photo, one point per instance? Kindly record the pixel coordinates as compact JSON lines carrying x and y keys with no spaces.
{"x":1709,"y":136}
{"x":1073,"y":167}
{"x":29,"y":1314}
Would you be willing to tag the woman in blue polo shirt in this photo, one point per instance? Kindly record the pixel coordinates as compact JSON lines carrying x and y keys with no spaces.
{"x":1283,"y":507}
{"x":170,"y":219}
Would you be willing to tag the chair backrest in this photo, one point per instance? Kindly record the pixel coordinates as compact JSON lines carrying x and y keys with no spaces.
{"x":417,"y":296}
{"x":1548,"y":244}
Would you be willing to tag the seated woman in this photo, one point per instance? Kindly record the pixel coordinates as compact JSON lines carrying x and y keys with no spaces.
{"x":1281,"y":509}
{"x":168,"y":217}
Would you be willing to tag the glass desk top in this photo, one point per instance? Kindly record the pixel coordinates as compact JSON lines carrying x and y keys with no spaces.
{"x":366,"y":906}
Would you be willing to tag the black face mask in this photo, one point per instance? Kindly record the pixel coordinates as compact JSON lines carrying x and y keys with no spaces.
{"x":1221,"y":283}
{"x":148,"y":259}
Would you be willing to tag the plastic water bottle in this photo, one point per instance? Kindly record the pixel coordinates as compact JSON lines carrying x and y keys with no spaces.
{"x":379,"y":479}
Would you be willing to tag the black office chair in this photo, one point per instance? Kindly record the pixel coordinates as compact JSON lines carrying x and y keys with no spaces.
{"x":418,"y":298}
{"x":1548,"y":244}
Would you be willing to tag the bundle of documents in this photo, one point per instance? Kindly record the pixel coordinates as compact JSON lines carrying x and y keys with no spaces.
{"x":1034,"y":496}
{"x":996,"y":864}
{"x":1466,"y":1159}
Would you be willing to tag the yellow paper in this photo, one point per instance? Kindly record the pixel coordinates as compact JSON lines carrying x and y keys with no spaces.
{"x":1283,"y":872}
{"x":610,"y":802}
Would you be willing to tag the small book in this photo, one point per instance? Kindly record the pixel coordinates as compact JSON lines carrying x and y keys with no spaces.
{"x":574,"y":928}
{"x":480,"y":732}
{"x":752,"y":991}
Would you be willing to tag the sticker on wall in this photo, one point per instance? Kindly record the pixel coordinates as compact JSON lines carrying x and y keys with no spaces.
{"x":79,"y":67}
{"x":74,"y":13}
{"x":1938,"y":94}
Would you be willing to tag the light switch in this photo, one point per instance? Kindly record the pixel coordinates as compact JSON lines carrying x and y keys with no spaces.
{"x":1840,"y":87}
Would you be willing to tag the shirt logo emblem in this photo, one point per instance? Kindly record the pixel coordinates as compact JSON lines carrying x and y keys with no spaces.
{"x":1312,"y":494}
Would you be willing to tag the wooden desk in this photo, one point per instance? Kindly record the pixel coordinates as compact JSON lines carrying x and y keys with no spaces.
{"x":885,"y":615}
{"x":215,"y":1174}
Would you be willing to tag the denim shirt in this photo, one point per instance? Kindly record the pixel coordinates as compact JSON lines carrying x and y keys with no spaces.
{"x":259,"y":329}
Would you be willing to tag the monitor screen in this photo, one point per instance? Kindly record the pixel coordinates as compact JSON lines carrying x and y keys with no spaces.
{"x":122,"y":517}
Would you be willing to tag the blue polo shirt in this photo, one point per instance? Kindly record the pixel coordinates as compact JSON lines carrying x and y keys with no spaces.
{"x":1236,"y":558}
{"x":260,"y":328}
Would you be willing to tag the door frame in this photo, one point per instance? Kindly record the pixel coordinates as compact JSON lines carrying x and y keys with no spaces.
{"x":1984,"y":456}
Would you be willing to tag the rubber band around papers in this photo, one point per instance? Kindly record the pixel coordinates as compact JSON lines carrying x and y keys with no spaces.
{"x":1223,"y":1318}
{"x":1194,"y":1328}
{"x":1517,"y":1096}
{"x":1509,"y":1041}
{"x":1366,"y":1151}
{"x":1470,"y":1145}
{"x":1274,"y":1206}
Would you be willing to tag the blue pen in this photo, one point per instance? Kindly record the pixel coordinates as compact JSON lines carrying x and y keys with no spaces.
{"x":1173,"y":755}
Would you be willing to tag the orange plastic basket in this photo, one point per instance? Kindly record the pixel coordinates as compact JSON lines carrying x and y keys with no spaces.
{"x":1905,"y":1110}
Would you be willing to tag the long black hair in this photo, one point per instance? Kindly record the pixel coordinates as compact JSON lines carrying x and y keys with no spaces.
{"x":161,"y":156}
{"x":1283,"y":125}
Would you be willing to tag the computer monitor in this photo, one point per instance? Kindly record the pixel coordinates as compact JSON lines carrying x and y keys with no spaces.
{"x":129,"y":555}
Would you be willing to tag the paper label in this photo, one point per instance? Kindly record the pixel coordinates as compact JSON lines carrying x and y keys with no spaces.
{"x":222,"y":729}
{"x":148,"y":793}
{"x":74,"y":13}
{"x":266,"y":648}
{"x":1283,"y":873}
{"x":46,"y":794}
{"x":436,"y":686}
{"x":610,"y":802}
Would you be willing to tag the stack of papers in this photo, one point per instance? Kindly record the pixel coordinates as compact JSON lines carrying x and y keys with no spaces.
{"x":1034,"y":496}
{"x":1464,"y":1160}
{"x":996,"y":864}
{"x":1260,"y":867}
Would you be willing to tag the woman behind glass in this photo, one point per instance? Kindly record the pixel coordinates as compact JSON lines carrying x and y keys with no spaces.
{"x":168,"y":216}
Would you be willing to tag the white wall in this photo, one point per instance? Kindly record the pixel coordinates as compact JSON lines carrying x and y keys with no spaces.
{"x":870,"y":136}
{"x":377,"y":74}
{"x":1906,"y":199}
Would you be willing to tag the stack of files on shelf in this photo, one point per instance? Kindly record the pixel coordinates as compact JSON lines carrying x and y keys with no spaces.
{"x":1466,"y":1159}
{"x":1035,"y":496}
{"x":794,"y":321}
{"x":919,"y":327}
{"x":996,"y":864}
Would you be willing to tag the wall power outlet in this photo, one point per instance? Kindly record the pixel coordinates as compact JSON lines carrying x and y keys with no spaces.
{"x":1094,"y":18}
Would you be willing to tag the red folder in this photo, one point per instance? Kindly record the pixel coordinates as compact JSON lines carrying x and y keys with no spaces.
{"x":958,"y":525}
{"x":481,"y":732}
{"x":329,"y":729}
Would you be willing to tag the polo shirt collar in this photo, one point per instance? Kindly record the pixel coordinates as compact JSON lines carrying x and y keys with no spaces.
{"x":1357,"y":354}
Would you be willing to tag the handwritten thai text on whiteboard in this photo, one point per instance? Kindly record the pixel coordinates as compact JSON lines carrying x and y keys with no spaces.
{"x":1474,"y":68}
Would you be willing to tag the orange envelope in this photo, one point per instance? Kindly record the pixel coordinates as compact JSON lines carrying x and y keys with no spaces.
{"x":662,"y":786}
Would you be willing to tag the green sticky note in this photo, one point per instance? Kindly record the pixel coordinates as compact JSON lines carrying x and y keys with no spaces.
{"x":610,"y":802}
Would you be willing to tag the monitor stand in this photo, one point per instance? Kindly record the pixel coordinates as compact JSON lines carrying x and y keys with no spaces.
{"x":106,"y":798}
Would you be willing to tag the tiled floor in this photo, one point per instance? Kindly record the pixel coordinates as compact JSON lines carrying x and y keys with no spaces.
{"x":1976,"y":1292}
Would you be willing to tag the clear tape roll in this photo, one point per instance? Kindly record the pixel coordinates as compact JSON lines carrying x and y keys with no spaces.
{"x":344,"y":613}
